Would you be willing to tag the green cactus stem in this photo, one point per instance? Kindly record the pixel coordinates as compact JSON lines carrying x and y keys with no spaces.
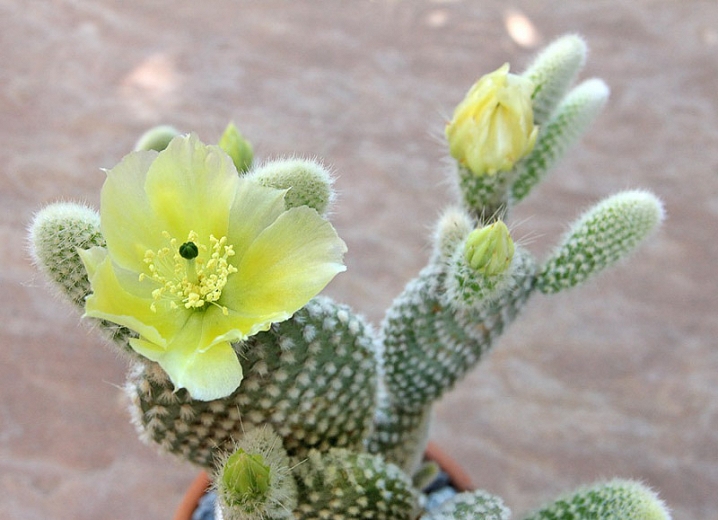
{"x":442,"y":324}
{"x":475,"y":505}
{"x":485,"y":196}
{"x":312,"y":378}
{"x":309,"y":183}
{"x":552,"y":73}
{"x":400,"y":435}
{"x":56,"y":233}
{"x":609,"y":231}
{"x":569,"y":122}
{"x":430,"y":342}
{"x":344,"y":484}
{"x":156,"y":138}
{"x":614,"y":500}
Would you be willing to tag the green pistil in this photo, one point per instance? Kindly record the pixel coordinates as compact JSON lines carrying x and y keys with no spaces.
{"x":188,"y":250}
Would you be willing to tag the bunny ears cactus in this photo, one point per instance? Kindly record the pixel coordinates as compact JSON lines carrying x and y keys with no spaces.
{"x":199,"y":259}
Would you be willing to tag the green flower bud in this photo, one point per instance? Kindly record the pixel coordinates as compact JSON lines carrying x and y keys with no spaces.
{"x":490,"y":249}
{"x":493,"y":127}
{"x":254,"y":482}
{"x":156,"y":138}
{"x":237,"y":147}
{"x":246,"y":477}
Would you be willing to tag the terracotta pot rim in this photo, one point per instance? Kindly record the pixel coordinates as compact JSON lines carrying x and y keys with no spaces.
{"x":458,"y":477}
{"x":192,"y":496}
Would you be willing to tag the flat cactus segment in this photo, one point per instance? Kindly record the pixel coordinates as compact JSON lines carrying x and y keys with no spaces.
{"x":486,"y":196}
{"x":474,"y":505}
{"x":56,"y":233}
{"x":609,"y":231}
{"x":311,"y":378}
{"x":614,"y":500}
{"x":341,"y":484}
{"x":552,"y":73}
{"x":400,"y":435}
{"x":308,"y":182}
{"x":569,"y":122}
{"x":431,"y":342}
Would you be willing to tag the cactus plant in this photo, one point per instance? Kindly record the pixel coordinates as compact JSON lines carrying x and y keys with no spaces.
{"x":205,"y":269}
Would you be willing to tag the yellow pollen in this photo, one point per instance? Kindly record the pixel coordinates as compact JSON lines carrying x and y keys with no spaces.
{"x":195,"y":282}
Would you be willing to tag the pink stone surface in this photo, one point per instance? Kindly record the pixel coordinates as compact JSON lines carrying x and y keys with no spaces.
{"x":619,"y":378}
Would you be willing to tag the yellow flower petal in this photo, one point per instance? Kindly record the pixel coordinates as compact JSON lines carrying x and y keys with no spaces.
{"x":255,"y":208}
{"x":91,"y":258}
{"x":207,"y":372}
{"x":207,"y":375}
{"x":191,"y":187}
{"x":288,"y":264}
{"x":118,"y":297}
{"x":151,"y":351}
{"x":233,"y":326}
{"x":126,"y":217}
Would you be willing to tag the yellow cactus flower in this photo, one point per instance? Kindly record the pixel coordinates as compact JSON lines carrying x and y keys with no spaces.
{"x":493,"y":126}
{"x":198,"y":258}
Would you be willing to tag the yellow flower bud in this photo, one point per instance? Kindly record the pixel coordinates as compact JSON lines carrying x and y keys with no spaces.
{"x":490,"y":249}
{"x":493,"y":127}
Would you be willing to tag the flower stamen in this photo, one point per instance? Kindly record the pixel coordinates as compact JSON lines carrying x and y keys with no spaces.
{"x":192,"y":274}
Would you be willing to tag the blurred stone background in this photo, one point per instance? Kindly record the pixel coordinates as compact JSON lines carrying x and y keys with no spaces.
{"x":616,"y":378}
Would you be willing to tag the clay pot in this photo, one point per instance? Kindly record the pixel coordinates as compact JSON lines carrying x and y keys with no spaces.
{"x":458,"y":477}
{"x":190,"y":501}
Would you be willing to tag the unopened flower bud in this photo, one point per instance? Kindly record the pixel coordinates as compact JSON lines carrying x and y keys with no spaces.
{"x":237,"y":147}
{"x":493,"y":127}
{"x":245,"y":478}
{"x":490,"y":249}
{"x":254,"y":482}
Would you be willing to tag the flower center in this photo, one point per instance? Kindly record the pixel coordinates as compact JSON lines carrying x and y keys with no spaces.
{"x":192,"y":273}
